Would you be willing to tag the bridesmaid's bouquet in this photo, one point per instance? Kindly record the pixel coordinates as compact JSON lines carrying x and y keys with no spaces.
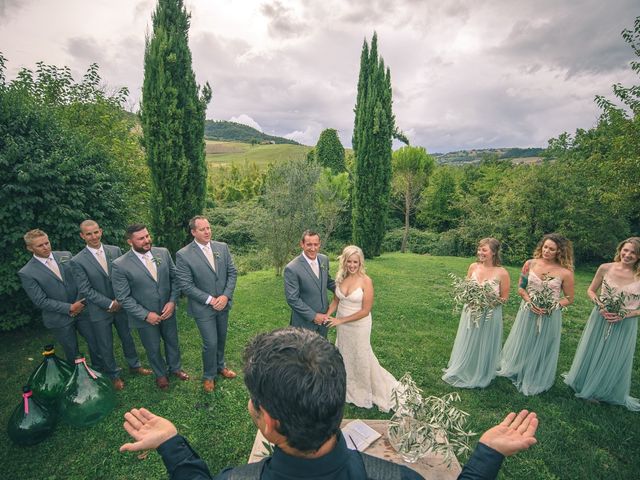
{"x":479,"y":298}
{"x":614,"y":302}
{"x":544,"y":299}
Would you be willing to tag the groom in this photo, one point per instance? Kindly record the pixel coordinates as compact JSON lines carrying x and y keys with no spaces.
{"x":306,"y":281}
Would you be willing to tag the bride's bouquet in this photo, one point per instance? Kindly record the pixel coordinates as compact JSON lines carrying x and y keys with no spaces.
{"x":614,"y":302}
{"x":544,"y":299}
{"x":479,"y":298}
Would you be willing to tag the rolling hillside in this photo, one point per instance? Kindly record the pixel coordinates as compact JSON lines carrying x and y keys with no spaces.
{"x":221,"y":154}
{"x":237,"y":132}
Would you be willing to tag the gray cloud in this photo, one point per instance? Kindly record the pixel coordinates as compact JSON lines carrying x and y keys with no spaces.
{"x":282,"y":22}
{"x":10,"y":7}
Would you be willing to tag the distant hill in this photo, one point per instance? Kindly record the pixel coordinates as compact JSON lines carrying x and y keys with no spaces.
{"x":237,"y":132}
{"x":475,"y":156}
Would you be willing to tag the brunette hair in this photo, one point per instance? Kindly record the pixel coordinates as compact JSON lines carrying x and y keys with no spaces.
{"x":494,"y":245}
{"x":564,"y":256}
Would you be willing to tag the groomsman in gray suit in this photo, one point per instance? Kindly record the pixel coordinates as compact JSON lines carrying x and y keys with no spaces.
{"x":49,"y":282}
{"x":306,"y":281}
{"x":92,"y":269}
{"x":207,"y":276}
{"x":144,"y":281}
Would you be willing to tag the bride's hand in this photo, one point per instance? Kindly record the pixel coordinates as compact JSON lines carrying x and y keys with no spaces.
{"x":333,"y":322}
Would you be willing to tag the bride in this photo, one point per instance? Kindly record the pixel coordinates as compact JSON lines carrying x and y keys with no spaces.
{"x":367,"y":382}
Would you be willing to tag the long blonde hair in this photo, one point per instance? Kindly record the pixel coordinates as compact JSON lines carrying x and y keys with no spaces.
{"x":635,"y":241}
{"x":564,"y":256}
{"x":342,"y":262}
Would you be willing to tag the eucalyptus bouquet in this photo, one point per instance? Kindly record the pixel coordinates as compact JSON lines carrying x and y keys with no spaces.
{"x":544,"y":299}
{"x":480,"y":298}
{"x":421,"y":424}
{"x":614,"y":302}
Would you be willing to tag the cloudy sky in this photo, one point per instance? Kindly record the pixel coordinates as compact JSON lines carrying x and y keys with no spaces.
{"x":465,"y":73}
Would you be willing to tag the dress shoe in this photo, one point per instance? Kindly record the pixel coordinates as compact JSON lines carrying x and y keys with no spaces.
{"x":208,"y":386}
{"x":118,"y":384}
{"x":140,"y":371}
{"x":162,"y":383}
{"x":227,"y":373}
{"x":182,"y":375}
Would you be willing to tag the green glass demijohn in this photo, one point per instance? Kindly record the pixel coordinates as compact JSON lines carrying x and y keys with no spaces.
{"x":31,"y":421}
{"x":87,"y":398}
{"x":50,"y":378}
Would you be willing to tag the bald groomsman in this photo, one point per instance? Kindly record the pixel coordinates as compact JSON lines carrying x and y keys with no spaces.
{"x":207,"y":276}
{"x":92,"y":269}
{"x":49,"y":282}
{"x":144,"y":281}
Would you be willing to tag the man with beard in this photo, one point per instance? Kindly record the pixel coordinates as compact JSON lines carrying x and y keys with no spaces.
{"x":144,"y":281}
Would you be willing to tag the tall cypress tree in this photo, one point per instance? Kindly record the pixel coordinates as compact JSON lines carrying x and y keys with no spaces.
{"x":373,"y":132}
{"x":172,"y":113}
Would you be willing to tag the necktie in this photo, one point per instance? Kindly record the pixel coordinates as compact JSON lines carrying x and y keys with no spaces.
{"x":102,"y":261}
{"x":207,"y":253}
{"x":314,"y":267}
{"x":151,"y":266}
{"x":53,"y":266}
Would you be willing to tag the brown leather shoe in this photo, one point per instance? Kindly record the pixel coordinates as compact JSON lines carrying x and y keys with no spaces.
{"x":227,"y":373}
{"x":208,"y":386}
{"x":162,"y":383}
{"x":118,"y":384}
{"x":140,"y":371}
{"x":182,"y":375}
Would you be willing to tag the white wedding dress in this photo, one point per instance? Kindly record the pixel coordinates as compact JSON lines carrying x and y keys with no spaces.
{"x":367,"y":382}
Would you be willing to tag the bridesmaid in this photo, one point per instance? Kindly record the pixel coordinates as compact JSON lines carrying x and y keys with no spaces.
{"x":475,"y":357}
{"x":601,"y":369}
{"x":530,"y":354}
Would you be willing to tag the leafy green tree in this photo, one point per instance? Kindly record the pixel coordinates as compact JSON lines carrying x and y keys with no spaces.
{"x":439,"y":206}
{"x":173,"y":113}
{"x":287,"y":208}
{"x":411,"y":169}
{"x":329,"y":152}
{"x":332,"y":199}
{"x":67,"y":153}
{"x":374,"y":129}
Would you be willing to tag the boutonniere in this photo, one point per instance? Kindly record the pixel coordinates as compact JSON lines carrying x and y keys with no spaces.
{"x":156,"y":260}
{"x":64,"y":259}
{"x":216,"y":253}
{"x":323,"y":267}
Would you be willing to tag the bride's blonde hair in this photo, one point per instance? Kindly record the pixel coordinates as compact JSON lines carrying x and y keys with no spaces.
{"x":342,"y":262}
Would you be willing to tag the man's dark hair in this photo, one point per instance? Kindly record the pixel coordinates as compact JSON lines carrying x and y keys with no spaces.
{"x":298,"y":377}
{"x":309,"y":233}
{"x":192,"y":222}
{"x":133,"y":228}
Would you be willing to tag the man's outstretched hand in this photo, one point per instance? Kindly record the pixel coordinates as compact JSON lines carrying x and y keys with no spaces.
{"x":514,"y":434}
{"x":148,"y":430}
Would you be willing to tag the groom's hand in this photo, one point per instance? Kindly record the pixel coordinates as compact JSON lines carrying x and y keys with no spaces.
{"x":320,"y":318}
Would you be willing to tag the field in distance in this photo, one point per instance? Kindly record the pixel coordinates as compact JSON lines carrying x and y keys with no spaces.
{"x":223,"y":154}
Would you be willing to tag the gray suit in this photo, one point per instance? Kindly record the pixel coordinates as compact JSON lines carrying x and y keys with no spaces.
{"x":95,"y":285}
{"x":54,"y":297}
{"x":140,"y":294}
{"x":306,"y":294}
{"x":198,"y":281}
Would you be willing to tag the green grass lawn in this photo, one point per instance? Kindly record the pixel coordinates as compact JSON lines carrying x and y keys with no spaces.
{"x":413,"y":330}
{"x":226,"y":153}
